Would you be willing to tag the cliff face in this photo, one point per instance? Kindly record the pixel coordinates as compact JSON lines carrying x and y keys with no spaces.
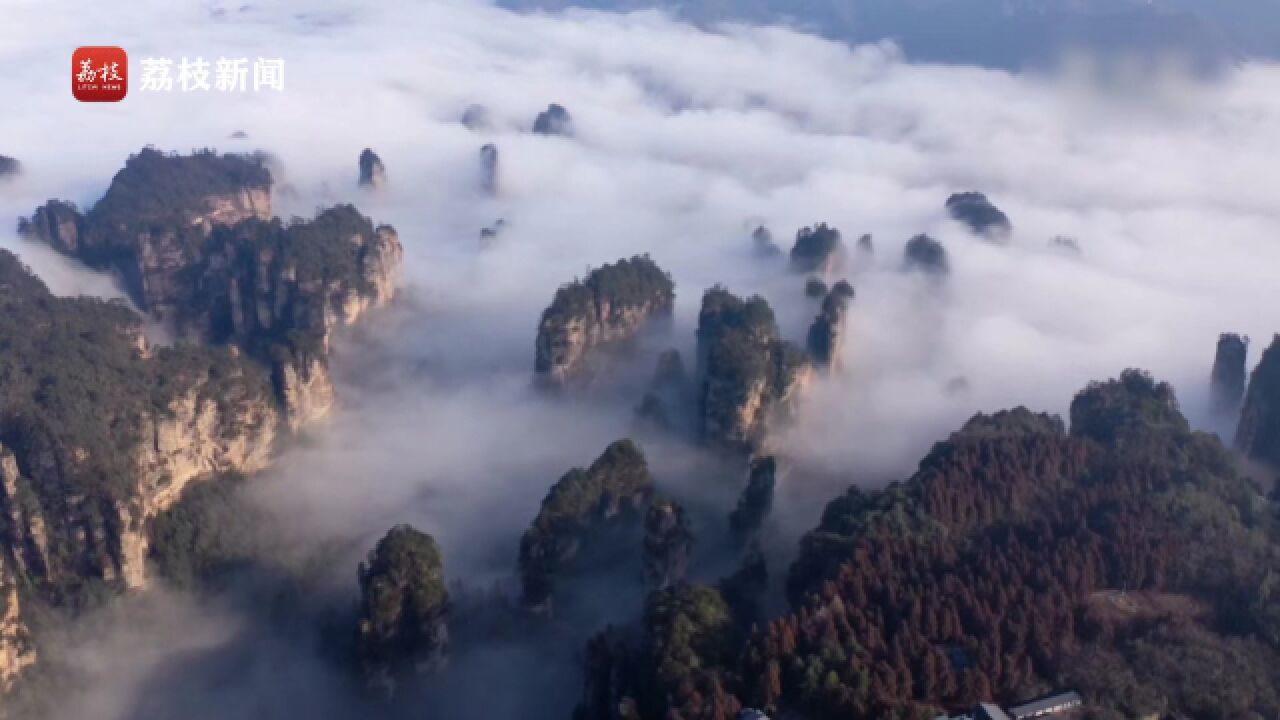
{"x":826,"y":334}
{"x":16,"y":650}
{"x":746,"y":374}
{"x":613,"y":304}
{"x":191,"y":238}
{"x":373,"y":174}
{"x":1259,"y":433}
{"x":100,"y":433}
{"x":150,"y":224}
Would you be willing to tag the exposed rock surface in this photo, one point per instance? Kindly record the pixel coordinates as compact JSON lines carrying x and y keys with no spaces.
{"x":404,"y":603}
{"x":979,"y":215}
{"x":100,"y":433}
{"x":746,"y":374}
{"x":757,"y":498}
{"x":373,"y":174}
{"x":555,"y":120}
{"x":827,"y":331}
{"x":191,"y":238}
{"x":151,"y":223}
{"x":926,"y":255}
{"x":582,"y":517}
{"x":489,"y":169}
{"x":1227,"y":382}
{"x":9,"y":167}
{"x":83,"y":474}
{"x":817,"y":249}
{"x":667,"y":544}
{"x":16,"y":650}
{"x":613,"y":304}
{"x":1259,"y":433}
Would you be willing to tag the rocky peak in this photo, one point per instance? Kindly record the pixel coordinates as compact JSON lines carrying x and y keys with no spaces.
{"x":1259,"y":432}
{"x":762,"y":243}
{"x":9,"y":167}
{"x":401,"y":630}
{"x":613,"y":304}
{"x":373,"y":174}
{"x":582,"y":517}
{"x":979,"y":215}
{"x":81,"y":477}
{"x":555,"y":120}
{"x":489,"y":169}
{"x":667,"y":544}
{"x":926,"y":255}
{"x":866,"y":245}
{"x":827,"y":330}
{"x":1227,"y":381}
{"x":745,"y":372}
{"x":154,"y":217}
{"x":817,"y":249}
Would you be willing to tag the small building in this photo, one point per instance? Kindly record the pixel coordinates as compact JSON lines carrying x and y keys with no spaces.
{"x":1060,"y":702}
{"x":989,"y":711}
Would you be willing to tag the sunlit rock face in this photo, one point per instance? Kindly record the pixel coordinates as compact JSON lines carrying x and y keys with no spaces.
{"x":150,"y":224}
{"x":1259,"y":432}
{"x":97,"y":445}
{"x":613,"y":304}
{"x":404,"y":604}
{"x":193,"y":238}
{"x":746,"y":374}
{"x":1228,"y":380}
{"x":976,"y":212}
{"x":83,"y":475}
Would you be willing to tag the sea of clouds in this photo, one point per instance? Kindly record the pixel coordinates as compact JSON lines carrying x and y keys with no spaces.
{"x":686,"y":139}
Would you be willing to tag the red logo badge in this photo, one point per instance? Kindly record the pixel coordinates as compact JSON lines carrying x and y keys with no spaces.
{"x":99,"y":74}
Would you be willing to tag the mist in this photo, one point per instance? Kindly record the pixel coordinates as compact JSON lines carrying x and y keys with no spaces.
{"x":686,"y":139}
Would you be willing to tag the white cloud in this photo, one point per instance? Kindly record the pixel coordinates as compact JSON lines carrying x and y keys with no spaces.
{"x":684,"y":137}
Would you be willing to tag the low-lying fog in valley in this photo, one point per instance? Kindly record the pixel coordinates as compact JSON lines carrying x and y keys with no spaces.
{"x":685,"y":141}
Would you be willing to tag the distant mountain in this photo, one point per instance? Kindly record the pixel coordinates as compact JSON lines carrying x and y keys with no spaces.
{"x":1002,"y":33}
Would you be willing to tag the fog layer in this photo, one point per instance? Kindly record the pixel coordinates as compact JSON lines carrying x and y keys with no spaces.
{"x":685,"y":141}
